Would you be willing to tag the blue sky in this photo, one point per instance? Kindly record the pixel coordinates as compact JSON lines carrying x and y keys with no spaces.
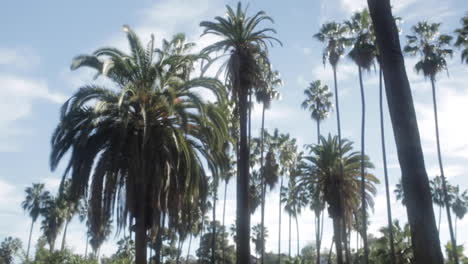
{"x":41,"y":37}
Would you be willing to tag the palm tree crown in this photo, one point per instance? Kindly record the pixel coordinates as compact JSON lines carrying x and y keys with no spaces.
{"x":462,"y":39}
{"x":35,"y":200}
{"x":334,"y":34}
{"x":432,"y":47}
{"x":317,"y":100}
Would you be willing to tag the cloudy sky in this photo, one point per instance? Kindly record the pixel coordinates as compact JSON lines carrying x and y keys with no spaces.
{"x":40,"y":38}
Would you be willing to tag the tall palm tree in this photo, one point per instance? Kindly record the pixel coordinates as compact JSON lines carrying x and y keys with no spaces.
{"x":433,"y":49}
{"x":334,"y":35}
{"x":265,"y":94}
{"x":246,"y":43}
{"x":155,"y":115}
{"x":34,"y":203}
{"x":53,"y":218}
{"x":459,"y":205}
{"x":462,"y":38}
{"x":363,"y":53}
{"x":318,"y":103}
{"x":425,"y":241}
{"x":338,"y":171}
{"x":70,"y":205}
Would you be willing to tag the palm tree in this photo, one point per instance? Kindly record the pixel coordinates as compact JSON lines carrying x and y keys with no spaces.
{"x":245,"y":43}
{"x":53,"y":218}
{"x":426,"y":243}
{"x":459,"y":205}
{"x":462,"y":38}
{"x":433,"y":49}
{"x":318,"y":103}
{"x":70,"y":207}
{"x":437,"y":196}
{"x":98,"y":235}
{"x":363,"y":53}
{"x":34,"y":203}
{"x":152,"y":115}
{"x":264,"y":95}
{"x":328,"y":158}
{"x":83,"y":217}
{"x":334,"y":34}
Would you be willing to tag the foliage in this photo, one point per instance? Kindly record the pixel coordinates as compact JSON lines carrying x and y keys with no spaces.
{"x":317,"y":100}
{"x":9,"y":249}
{"x":462,"y":38}
{"x":204,"y":251}
{"x":257,"y":237}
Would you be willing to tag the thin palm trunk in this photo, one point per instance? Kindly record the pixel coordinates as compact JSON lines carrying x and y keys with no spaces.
{"x":262,"y":148}
{"x":384,"y":156}
{"x":29,"y":240}
{"x":289,"y":251}
{"x":345,"y":241}
{"x":456,"y":238}
{"x":317,"y":237}
{"x":363,"y":178}
{"x":86,"y":248}
{"x":64,"y":234}
{"x":158,"y":246}
{"x":179,"y":250}
{"x":224,"y":217}
{"x":341,"y":211}
{"x":279,"y":223}
{"x":189,"y":246}
{"x":243,"y":211}
{"x":440,"y":218}
{"x":297,"y":231}
{"x":442,"y":174}
{"x":425,"y":240}
{"x":213,"y":237}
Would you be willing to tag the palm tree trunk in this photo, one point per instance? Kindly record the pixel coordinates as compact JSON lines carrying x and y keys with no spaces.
{"x":189,"y":246}
{"x":86,"y":248}
{"x":297,"y":231}
{"x":330,"y":252}
{"x":262,"y":148}
{"x":442,"y":174}
{"x":224,"y":216}
{"x":29,"y":240}
{"x":440,"y":218}
{"x":384,"y":156}
{"x":289,"y":254}
{"x":64,"y":235}
{"x":179,"y":250}
{"x":243,"y":211}
{"x":337,"y":235}
{"x":338,"y":122}
{"x":213,"y":237}
{"x":345,"y":241}
{"x":425,"y":240}
{"x":158,"y":245}
{"x":318,"y":131}
{"x":363,"y":177}
{"x":456,"y":238}
{"x":140,"y":238}
{"x":317,"y":237}
{"x":279,"y":223}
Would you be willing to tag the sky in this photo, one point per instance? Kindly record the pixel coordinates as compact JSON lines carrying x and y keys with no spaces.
{"x":40,"y":38}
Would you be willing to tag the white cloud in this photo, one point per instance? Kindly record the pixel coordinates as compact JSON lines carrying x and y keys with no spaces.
{"x":16,"y":103}
{"x":21,"y":58}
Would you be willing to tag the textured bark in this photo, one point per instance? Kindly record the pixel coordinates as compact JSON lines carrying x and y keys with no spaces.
{"x":442,"y":174}
{"x":384,"y":157}
{"x":425,"y":240}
